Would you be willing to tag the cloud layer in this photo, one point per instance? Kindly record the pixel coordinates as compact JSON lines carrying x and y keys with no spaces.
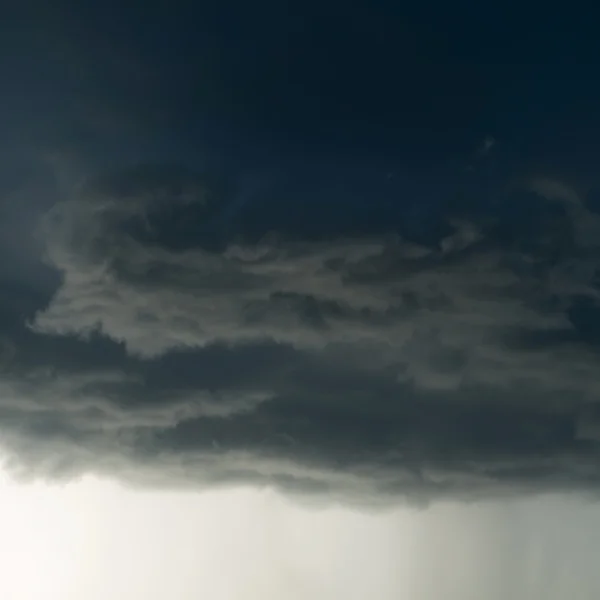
{"x":194,"y":338}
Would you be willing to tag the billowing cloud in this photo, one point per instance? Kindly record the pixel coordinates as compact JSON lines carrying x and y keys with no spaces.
{"x":186,"y":344}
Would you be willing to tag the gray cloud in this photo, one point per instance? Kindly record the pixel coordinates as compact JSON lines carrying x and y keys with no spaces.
{"x":179,"y":349}
{"x":445,"y":313}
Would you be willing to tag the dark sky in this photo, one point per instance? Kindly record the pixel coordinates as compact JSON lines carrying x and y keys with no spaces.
{"x":375,"y":78}
{"x":346,"y":249}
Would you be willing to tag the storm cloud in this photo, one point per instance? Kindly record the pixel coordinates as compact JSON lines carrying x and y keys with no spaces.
{"x":195,"y":335}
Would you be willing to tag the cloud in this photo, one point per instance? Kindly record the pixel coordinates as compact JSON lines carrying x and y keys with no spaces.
{"x":181,"y":348}
{"x":555,"y":190}
{"x":466,"y":296}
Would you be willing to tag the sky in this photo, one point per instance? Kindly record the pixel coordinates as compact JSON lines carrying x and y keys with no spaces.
{"x":299,"y":301}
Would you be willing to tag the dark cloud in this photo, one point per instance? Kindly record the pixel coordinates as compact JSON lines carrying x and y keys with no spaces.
{"x":363,"y":362}
{"x":376,"y":274}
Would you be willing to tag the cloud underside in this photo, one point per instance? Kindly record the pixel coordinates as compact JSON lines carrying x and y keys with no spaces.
{"x":365,"y":366}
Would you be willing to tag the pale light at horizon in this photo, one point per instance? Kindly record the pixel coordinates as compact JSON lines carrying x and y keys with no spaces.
{"x":92,"y":538}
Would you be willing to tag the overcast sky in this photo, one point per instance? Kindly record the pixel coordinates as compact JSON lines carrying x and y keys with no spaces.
{"x":298,"y":303}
